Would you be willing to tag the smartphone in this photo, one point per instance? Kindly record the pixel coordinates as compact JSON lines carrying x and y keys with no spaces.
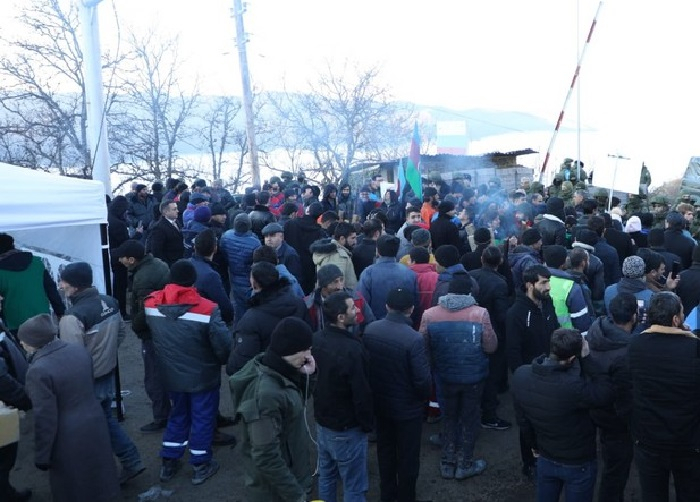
{"x":641,"y":313}
{"x":676,"y":269}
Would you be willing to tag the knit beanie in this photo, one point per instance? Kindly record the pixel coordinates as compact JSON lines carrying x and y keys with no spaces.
{"x":291,"y":335}
{"x":183,"y":273}
{"x":446,"y":206}
{"x":202,"y":214}
{"x":216,"y":208}
{"x":37,"y":331}
{"x":482,"y":236}
{"x":633,"y":267}
{"x":78,"y":275}
{"x":420,"y":237}
{"x":327,"y":274}
{"x":531,"y":236}
{"x":241,"y":223}
{"x":447,"y":255}
{"x":399,"y":299}
{"x":555,"y":206}
{"x":554,"y":256}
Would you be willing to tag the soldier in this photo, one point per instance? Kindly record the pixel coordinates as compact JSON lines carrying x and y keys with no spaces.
{"x":634,"y":204}
{"x":659,"y":207}
{"x":525,"y":184}
{"x":567,"y":193}
{"x":555,"y":188}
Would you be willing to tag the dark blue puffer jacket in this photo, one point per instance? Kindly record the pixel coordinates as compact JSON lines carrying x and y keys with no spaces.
{"x":238,"y":248}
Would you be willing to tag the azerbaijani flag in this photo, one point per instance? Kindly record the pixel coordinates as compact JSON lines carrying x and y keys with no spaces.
{"x":413,"y":164}
{"x":401,"y":180}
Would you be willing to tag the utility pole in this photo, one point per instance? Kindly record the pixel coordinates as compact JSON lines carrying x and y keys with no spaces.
{"x":96,"y":120}
{"x":241,"y":40}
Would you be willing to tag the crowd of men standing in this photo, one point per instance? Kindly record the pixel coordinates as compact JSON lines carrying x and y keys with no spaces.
{"x":387,"y":310}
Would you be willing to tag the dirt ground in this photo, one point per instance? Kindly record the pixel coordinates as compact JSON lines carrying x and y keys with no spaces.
{"x":501,"y":482}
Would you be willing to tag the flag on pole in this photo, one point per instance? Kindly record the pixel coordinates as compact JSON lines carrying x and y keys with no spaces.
{"x":401,"y":180}
{"x":413,"y":164}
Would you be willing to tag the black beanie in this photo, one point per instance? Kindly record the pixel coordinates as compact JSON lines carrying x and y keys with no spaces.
{"x":447,"y":255}
{"x":78,"y":275}
{"x":183,"y":273}
{"x":554,"y":256}
{"x":328,"y":273}
{"x":291,"y":335}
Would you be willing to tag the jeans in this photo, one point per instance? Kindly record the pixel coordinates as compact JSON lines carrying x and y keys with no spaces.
{"x":398,"y":456}
{"x":192,"y":422}
{"x":577,"y":481}
{"x":122,"y":445}
{"x":460,"y":420}
{"x":241,"y":295}
{"x":160,"y":403}
{"x":617,"y":450}
{"x":654,"y":468}
{"x":342,"y":454}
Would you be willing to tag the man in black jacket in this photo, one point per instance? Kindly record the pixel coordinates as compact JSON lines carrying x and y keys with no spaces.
{"x":552,"y":225}
{"x":674,"y":240}
{"x":342,"y":402}
{"x":688,"y":288}
{"x":261,"y":215}
{"x":664,"y":364}
{"x":656,"y":239}
{"x":621,"y":241}
{"x":612,"y":268}
{"x":300,"y":233}
{"x":529,"y":326}
{"x":443,"y":230}
{"x":165,"y":241}
{"x":399,"y":375}
{"x":555,"y":399}
{"x":493,"y":296}
{"x":608,"y":339}
{"x":364,"y":252}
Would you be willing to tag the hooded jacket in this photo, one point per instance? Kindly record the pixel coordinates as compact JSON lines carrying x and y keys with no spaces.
{"x":664,"y":364}
{"x":274,"y":442}
{"x":459,"y":335}
{"x":444,"y":279}
{"x":266,"y":309}
{"x":300,"y":233}
{"x":27,"y":288}
{"x":608,"y":344}
{"x":529,"y":329}
{"x":520,"y":259}
{"x":330,"y":251}
{"x":636,"y":287}
{"x":190,"y":340}
{"x":427,"y":280}
{"x":553,"y":230}
{"x":117,"y":226}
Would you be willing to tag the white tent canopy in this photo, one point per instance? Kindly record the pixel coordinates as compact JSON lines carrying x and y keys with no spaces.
{"x":55,"y":217}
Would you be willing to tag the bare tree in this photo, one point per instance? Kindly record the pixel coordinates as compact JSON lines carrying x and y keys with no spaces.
{"x":151,"y":113}
{"x":219,"y":131}
{"x":346,"y":116}
{"x":43,"y":91}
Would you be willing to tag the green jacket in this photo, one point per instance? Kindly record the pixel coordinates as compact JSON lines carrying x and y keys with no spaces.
{"x":149,"y":275}
{"x":275,"y":443}
{"x":27,"y":288}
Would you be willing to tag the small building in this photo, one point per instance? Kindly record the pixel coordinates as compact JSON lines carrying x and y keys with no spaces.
{"x":501,"y":165}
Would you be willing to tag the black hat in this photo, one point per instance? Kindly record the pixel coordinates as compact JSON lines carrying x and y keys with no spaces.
{"x":78,"y":275}
{"x":197,"y":198}
{"x":447,"y":255}
{"x":554,"y":256}
{"x":139,"y":187}
{"x":446,"y":206}
{"x":327,"y":274}
{"x":291,"y":335}
{"x":217,"y":208}
{"x":482,"y":236}
{"x":183,"y":273}
{"x":399,"y":299}
{"x":37,"y":331}
{"x":315,"y":210}
{"x":130,"y":249}
{"x":531,"y":236}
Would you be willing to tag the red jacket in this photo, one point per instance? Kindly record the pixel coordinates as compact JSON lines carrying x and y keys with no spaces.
{"x":427,"y":280}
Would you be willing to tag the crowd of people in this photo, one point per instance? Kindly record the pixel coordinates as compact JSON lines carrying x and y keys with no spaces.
{"x":387,"y":311}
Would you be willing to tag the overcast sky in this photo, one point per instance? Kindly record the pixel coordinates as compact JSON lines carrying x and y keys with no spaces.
{"x":639,"y":79}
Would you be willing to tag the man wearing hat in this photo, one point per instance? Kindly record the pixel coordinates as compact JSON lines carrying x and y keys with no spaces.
{"x":191,"y":343}
{"x":273,"y":233}
{"x":329,"y":280}
{"x":93,"y":321}
{"x":197,"y":199}
{"x":26,"y":287}
{"x":633,"y":281}
{"x":269,"y":397}
{"x":238,"y":245}
{"x":400,"y":379}
{"x":148,"y":274}
{"x":443,"y":230}
{"x":552,"y":227}
{"x":337,"y":251}
{"x":525,"y":255}
{"x":142,"y":206}
{"x":71,"y":437}
{"x":342,"y":402}
{"x":200,"y":222}
{"x":165,"y":241}
{"x":420,"y":238}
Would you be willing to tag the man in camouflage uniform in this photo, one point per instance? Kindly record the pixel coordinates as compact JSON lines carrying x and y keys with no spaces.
{"x":659,"y":207}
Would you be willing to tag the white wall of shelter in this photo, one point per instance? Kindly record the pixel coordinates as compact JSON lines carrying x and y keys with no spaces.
{"x":55,"y":217}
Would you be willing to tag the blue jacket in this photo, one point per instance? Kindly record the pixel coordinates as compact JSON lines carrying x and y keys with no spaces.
{"x":209,"y":285}
{"x":189,"y":233}
{"x":520,"y":259}
{"x":386,"y":274}
{"x":238,"y":249}
{"x":459,"y":334}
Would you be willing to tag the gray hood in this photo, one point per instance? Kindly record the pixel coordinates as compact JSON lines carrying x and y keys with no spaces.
{"x":456,"y":302}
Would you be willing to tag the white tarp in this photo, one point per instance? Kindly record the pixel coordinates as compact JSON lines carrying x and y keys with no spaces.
{"x":55,"y":217}
{"x":619,"y":174}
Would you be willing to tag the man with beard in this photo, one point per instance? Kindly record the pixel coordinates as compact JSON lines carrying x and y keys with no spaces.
{"x":338,"y":252}
{"x":529,"y":326}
